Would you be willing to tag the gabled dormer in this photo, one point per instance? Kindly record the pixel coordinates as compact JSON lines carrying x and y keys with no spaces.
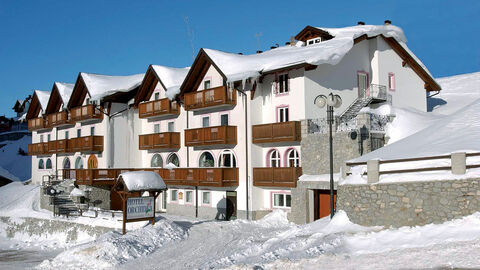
{"x":36,"y":110}
{"x":311,"y":35}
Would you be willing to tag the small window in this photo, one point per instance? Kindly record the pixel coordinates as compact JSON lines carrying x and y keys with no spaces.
{"x":206,"y":121}
{"x":189,"y":196}
{"x":362,"y":80}
{"x":391,"y":81}
{"x":224,"y":119}
{"x":40,"y":164}
{"x":48,"y":137}
{"x":293,"y":158}
{"x":66,"y":163}
{"x":48,"y":164}
{"x":274,"y":158}
{"x":282,"y":200}
{"x":41,"y":138}
{"x":157,"y":96}
{"x":92,"y":131}
{"x":66,"y":135}
{"x":206,"y":160}
{"x":173,"y":158}
{"x":79,"y":133}
{"x":87,"y":101}
{"x":310,"y":42}
{"x":317,"y":40}
{"x":206,"y":197}
{"x":156,"y":128}
{"x":79,"y":163}
{"x":156,"y":161}
{"x":174,"y":195}
{"x":206,"y":84}
{"x":282,"y":114}
{"x":171,"y":126}
{"x":283,"y":84}
{"x":227,"y":160}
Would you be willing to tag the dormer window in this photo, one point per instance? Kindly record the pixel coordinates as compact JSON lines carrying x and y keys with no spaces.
{"x":206,"y":84}
{"x":314,"y":41}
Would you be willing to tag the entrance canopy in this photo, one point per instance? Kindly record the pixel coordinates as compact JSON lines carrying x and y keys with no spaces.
{"x":141,"y":181}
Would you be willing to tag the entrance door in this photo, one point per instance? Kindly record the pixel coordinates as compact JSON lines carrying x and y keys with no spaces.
{"x":92,"y":162}
{"x":362,"y":80}
{"x":321,"y":203}
{"x":231,"y":205}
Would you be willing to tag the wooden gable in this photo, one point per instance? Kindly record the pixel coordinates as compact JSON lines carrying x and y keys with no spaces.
{"x":55,"y":101}
{"x":78,"y":94}
{"x":148,"y":85}
{"x":310,"y":32}
{"x":34,"y":108}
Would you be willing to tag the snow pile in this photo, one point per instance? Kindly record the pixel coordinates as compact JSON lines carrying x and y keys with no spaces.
{"x":65,"y":90}
{"x":43,"y":97}
{"x":319,"y":177}
{"x":171,"y":78}
{"x":77,"y":192}
{"x":170,"y":166}
{"x":100,"y":86}
{"x":14,"y":163}
{"x":113,"y":248}
{"x":142,"y":180}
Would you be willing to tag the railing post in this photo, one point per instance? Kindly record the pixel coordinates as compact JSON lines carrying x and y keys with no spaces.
{"x":459,"y":163}
{"x":373,"y":171}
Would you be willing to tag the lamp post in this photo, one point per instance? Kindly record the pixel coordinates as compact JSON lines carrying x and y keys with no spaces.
{"x":331,"y":101}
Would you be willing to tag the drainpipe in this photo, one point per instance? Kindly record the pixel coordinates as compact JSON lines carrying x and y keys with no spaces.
{"x":188,"y":166}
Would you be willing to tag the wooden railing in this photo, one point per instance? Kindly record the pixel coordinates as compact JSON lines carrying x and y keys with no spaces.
{"x":58,"y":119}
{"x":217,"y":96}
{"x":87,"y":144}
{"x":36,"y":124}
{"x":276,"y":177}
{"x":219,"y":135}
{"x":165,"y":140}
{"x":82,"y":144}
{"x":158,"y":108}
{"x":86,"y":112}
{"x":277,"y":132}
{"x":212,"y":177}
{"x":36,"y":149}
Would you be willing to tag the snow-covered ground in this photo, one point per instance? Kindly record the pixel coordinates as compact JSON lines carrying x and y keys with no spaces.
{"x":12,"y":163}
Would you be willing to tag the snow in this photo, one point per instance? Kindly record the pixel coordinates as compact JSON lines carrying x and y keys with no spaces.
{"x":170,"y":166}
{"x":240,"y":67}
{"x":100,"y":86}
{"x":171,"y":78}
{"x":142,"y":180}
{"x":16,"y":164}
{"x":77,"y":192}
{"x":6,"y":174}
{"x":65,"y":90}
{"x":319,"y":177}
{"x":43,"y":97}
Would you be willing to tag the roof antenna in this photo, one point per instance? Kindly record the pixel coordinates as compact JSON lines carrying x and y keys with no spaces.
{"x":257,"y":37}
{"x":190,"y":37}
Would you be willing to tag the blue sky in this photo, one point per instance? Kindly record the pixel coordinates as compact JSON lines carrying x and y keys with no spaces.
{"x":47,"y":41}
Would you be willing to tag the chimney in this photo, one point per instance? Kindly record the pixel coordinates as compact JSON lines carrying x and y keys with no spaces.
{"x":287,"y":43}
{"x":388,"y":22}
{"x":272,"y":47}
{"x":240,"y":53}
{"x":360,"y":23}
{"x":259,"y":51}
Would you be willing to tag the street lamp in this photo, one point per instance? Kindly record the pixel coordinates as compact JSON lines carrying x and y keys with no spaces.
{"x":331,"y":101}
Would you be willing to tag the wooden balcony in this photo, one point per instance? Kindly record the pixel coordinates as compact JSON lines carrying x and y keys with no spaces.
{"x":159,"y":141}
{"x":37,"y":149}
{"x":211,"y":177}
{"x":86,"y":113}
{"x":219,"y":135}
{"x":37,"y":124}
{"x":86,"y":144}
{"x":217,"y":97}
{"x":59,"y":119}
{"x":277,"y":132}
{"x":157,"y":108}
{"x":276,"y":177}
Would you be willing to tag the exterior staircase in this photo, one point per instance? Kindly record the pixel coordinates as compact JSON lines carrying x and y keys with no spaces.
{"x":61,"y":201}
{"x":352,"y":111}
{"x":374,"y":94}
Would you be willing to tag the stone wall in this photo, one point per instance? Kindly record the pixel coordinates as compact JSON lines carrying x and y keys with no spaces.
{"x":409,"y":203}
{"x":97,"y":196}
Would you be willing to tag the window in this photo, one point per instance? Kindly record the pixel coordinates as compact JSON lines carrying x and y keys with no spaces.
{"x":66,"y":135}
{"x":79,"y":163}
{"x":391,"y":81}
{"x":48,"y":137}
{"x":87,"y":101}
{"x":206,"y":121}
{"x":206,"y":160}
{"x":206,"y":84}
{"x":173,"y":158}
{"x":41,"y":138}
{"x":79,"y":133}
{"x":40,"y":164}
{"x":227,"y":160}
{"x":282,"y":200}
{"x":274,"y":158}
{"x":293,"y":158}
{"x":157,"y":161}
{"x":224,"y":119}
{"x":189,"y":196}
{"x":362,"y":81}
{"x":282,"y":114}
{"x":171,"y":126}
{"x":92,"y":131}
{"x":205,"y":197}
{"x":66,"y":163}
{"x":283,"y":84}
{"x":157,"y":96}
{"x":174,"y":195}
{"x":156,"y":128}
{"x":48,"y":164}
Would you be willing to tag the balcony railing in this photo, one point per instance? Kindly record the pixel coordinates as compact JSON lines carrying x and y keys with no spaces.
{"x":37,"y":124}
{"x":161,"y":107}
{"x":376,"y":92}
{"x":159,"y":141}
{"x":219,"y":135}
{"x":86,"y":144}
{"x":212,"y":177}
{"x":58,"y":119}
{"x":37,"y":149}
{"x":276,"y":177}
{"x":277,"y":132}
{"x":213,"y":97}
{"x":86,"y":113}
{"x":82,"y":144}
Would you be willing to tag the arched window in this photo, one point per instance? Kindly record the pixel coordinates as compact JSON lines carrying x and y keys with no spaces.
{"x":274,"y":158}
{"x":40,"y":164}
{"x":79,"y":163}
{"x":48,"y":164}
{"x":227,"y":159}
{"x":66,"y":163}
{"x":157,"y":161}
{"x":206,"y":160}
{"x":173,"y":158}
{"x":293,"y":158}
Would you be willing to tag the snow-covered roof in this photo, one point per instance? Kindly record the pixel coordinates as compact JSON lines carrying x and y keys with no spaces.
{"x":240,"y":67}
{"x":65,"y":91}
{"x":171,"y":78}
{"x":43,"y":97}
{"x":100,"y":86}
{"x":142,"y":180}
